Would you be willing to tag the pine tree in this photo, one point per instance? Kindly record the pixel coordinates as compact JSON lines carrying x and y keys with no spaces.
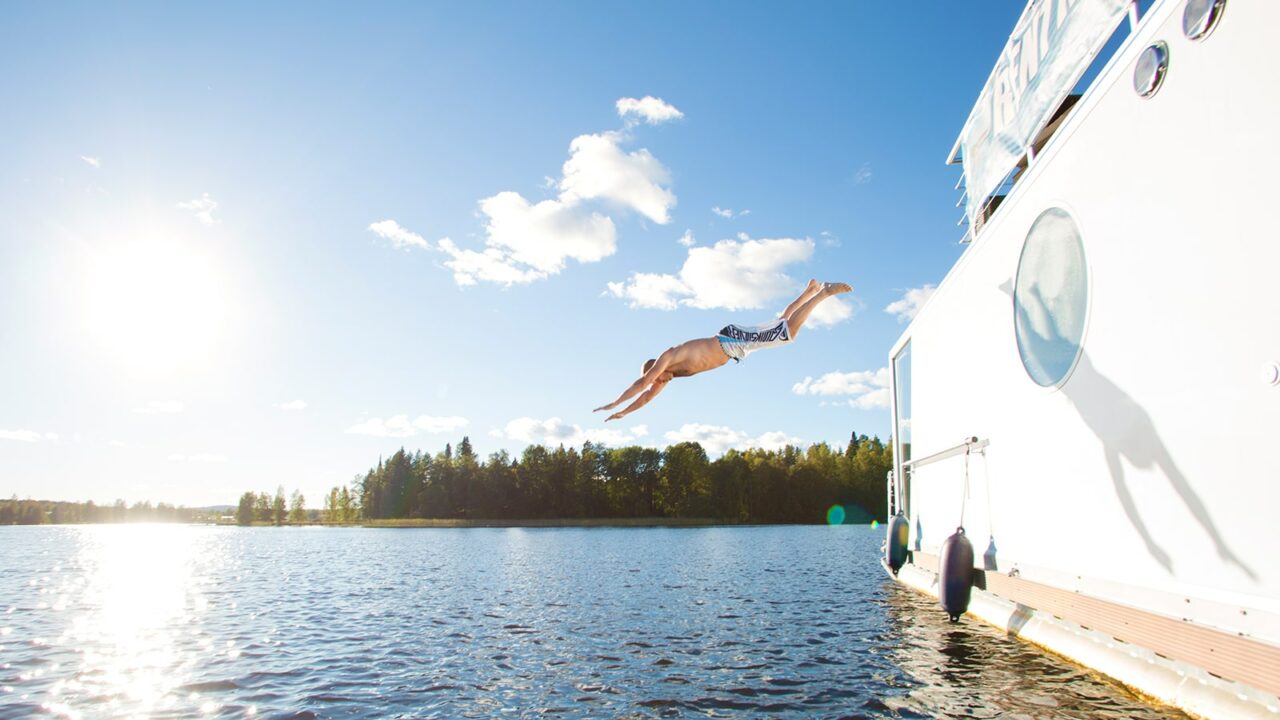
{"x":345,"y":511}
{"x":262,"y":508}
{"x":244,"y":515}
{"x":297,"y":508}
{"x":278,"y":507}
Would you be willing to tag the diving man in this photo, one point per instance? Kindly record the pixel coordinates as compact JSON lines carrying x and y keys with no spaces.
{"x":732,"y":342}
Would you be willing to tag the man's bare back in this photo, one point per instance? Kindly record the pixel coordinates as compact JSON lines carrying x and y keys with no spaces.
{"x":695,"y":356}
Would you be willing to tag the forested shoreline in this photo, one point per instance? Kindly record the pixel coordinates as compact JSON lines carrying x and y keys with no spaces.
{"x":791,"y":485}
{"x":56,"y":512}
{"x":592,"y":483}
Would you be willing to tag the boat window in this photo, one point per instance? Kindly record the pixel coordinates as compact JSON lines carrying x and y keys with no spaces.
{"x":902,"y":405}
{"x":982,"y":202}
{"x":1051,"y":298}
{"x":1199,"y":17}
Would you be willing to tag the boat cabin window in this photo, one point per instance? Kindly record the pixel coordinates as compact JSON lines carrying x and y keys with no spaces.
{"x":902,"y":417}
{"x":982,"y":202}
{"x":1051,"y":298}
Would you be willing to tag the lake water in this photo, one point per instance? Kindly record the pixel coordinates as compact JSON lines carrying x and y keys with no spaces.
{"x":790,"y":622}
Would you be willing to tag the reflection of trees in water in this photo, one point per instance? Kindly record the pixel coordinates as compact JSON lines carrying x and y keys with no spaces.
{"x":972,"y":670}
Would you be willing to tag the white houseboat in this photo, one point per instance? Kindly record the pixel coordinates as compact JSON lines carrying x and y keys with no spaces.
{"x":1093,"y":391}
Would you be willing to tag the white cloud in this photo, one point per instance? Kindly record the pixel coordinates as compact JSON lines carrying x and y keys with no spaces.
{"x":546,"y":234}
{"x":732,"y":274}
{"x":863,"y":175}
{"x":160,"y":407}
{"x":396,"y":426}
{"x":651,"y":109}
{"x":527,"y":241}
{"x":775,"y":440}
{"x":832,"y":311}
{"x":401,"y":238}
{"x":93,"y":161}
{"x":867,"y":390}
{"x":198,"y":458}
{"x":292,"y":405}
{"x":117,"y":443}
{"x":649,"y":290}
{"x":554,"y":431}
{"x":203,"y":207}
{"x":491,"y":265}
{"x":687,"y":239}
{"x":911,"y":302}
{"x":598,"y":168}
{"x":400,"y":426}
{"x":717,"y":439}
{"x":27,"y":436}
{"x":722,"y":212}
{"x":431,"y":425}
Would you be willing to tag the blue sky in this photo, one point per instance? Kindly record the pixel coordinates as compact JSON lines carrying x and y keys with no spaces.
{"x":243,"y":247}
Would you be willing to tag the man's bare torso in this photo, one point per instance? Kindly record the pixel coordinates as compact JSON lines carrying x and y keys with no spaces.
{"x":693,"y":357}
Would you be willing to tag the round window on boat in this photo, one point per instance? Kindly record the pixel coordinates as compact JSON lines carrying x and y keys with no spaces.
{"x":1051,"y":298}
{"x":1200,"y":17}
{"x":1149,"y":73}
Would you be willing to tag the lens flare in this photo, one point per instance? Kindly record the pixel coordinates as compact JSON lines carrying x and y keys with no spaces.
{"x":875,"y":524}
{"x":835,"y":515}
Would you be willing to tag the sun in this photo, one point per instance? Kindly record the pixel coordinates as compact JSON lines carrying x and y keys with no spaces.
{"x":155,"y":305}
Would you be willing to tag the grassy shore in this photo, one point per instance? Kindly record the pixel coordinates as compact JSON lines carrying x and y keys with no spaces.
{"x":544,"y":522}
{"x":523,"y":523}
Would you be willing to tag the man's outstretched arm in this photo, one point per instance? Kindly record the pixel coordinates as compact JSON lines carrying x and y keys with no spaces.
{"x":640,"y":402}
{"x":645,"y":381}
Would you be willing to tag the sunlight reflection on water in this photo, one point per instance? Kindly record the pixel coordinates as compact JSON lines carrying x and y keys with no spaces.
{"x":179,"y":622}
{"x":130,"y":601}
{"x":140,"y":583}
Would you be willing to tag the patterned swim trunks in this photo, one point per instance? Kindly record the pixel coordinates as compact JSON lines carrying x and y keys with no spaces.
{"x":738,"y":341}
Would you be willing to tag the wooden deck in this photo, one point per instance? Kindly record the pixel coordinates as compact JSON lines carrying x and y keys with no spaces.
{"x":1228,"y":656}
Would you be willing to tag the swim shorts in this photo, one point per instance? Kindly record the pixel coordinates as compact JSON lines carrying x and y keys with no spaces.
{"x":738,"y":341}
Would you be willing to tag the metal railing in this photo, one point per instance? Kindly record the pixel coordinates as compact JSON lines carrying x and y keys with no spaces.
{"x":970,"y":444}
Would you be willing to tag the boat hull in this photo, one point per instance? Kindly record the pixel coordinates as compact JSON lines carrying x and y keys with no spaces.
{"x":1143,"y":479}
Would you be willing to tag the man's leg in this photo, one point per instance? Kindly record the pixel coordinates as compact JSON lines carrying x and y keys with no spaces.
{"x":797,"y":318}
{"x":809,"y":291}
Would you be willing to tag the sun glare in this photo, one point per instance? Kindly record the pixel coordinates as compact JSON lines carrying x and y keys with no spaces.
{"x":140,"y":614}
{"x":155,"y":306}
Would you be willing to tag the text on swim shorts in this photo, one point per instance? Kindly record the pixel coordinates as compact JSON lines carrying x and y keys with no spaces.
{"x":772,"y":334}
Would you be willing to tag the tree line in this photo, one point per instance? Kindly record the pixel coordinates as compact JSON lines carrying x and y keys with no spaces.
{"x":49,"y":512}
{"x":263,"y":508}
{"x":791,"y":485}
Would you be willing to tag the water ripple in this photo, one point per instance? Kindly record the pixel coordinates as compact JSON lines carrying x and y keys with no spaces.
{"x":791,"y":622}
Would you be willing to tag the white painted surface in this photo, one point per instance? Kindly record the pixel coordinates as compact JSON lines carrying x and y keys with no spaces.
{"x":1176,"y":198}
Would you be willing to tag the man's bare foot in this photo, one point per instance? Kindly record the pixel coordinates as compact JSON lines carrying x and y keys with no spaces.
{"x":836,"y":288}
{"x":813,"y":287}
